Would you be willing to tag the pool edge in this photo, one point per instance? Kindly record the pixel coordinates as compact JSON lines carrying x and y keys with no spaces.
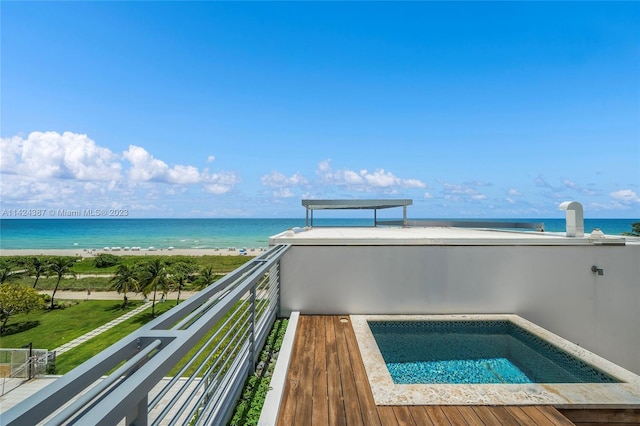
{"x":575,"y":395}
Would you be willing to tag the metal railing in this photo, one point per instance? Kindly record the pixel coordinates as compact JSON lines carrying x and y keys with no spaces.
{"x":19,"y":365}
{"x":187,"y":366}
{"x":491,"y":224}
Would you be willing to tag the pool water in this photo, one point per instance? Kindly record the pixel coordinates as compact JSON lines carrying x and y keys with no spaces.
{"x":475,"y":352}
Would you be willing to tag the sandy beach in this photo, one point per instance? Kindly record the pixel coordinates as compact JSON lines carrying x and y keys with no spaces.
{"x":122,"y":252}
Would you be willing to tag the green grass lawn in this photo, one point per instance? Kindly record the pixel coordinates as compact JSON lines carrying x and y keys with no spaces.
{"x":50,"y":329}
{"x":77,"y":284}
{"x":73,"y":284}
{"x":220,"y":264}
{"x":76,"y":356}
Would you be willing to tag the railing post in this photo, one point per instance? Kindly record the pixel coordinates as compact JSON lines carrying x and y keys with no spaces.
{"x":212,"y":388}
{"x":252,"y":336}
{"x":278,"y":288}
{"x":141,"y":416}
{"x":29,"y":360}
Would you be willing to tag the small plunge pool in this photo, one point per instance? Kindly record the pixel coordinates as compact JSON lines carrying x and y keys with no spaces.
{"x":484,"y":360}
{"x":473,"y":352}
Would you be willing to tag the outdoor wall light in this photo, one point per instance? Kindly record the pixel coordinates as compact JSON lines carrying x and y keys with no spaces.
{"x":597,"y":270}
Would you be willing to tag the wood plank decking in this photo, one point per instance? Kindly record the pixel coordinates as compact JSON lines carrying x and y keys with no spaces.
{"x":327,"y":385}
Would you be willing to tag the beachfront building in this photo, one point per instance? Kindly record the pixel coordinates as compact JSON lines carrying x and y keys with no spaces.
{"x":576,"y":294}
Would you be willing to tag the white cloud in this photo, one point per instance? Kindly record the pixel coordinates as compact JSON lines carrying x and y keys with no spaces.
{"x":183,"y":175}
{"x":625,"y":196}
{"x":211,"y":159}
{"x":324,"y":165}
{"x":456,"y":192}
{"x":352,"y":178}
{"x":456,"y":189}
{"x":413,"y":183}
{"x":45,"y":155}
{"x":572,"y":185}
{"x":217,"y":189}
{"x":24,"y":192}
{"x":146,"y":168}
{"x":365,"y":180}
{"x":382,"y":179}
{"x":283,"y":193}
{"x":220,"y":183}
{"x":514,"y":192}
{"x":427,"y":195}
{"x":510,"y":200}
{"x":10,"y":151}
{"x":70,"y":170}
{"x":277,"y":179}
{"x":283,"y":183}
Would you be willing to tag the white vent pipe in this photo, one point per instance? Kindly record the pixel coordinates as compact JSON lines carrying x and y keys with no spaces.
{"x":575,"y":218}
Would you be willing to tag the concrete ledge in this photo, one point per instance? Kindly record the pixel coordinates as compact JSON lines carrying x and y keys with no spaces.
{"x":271,"y":407}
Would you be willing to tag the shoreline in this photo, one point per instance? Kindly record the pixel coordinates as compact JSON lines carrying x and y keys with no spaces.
{"x":85,"y":253}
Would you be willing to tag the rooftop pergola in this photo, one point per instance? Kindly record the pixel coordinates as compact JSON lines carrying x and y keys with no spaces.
{"x":374,"y":205}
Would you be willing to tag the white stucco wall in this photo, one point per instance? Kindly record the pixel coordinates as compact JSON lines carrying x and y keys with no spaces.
{"x":553,"y":287}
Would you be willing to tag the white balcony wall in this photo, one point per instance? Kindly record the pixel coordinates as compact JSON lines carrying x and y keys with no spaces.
{"x":553,"y":286}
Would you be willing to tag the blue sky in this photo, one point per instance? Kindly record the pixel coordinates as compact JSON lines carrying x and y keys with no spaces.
{"x":242,"y":109}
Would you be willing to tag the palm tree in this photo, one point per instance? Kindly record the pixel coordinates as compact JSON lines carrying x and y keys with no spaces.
{"x":125,"y":280}
{"x":207,"y":276}
{"x":36,"y":268}
{"x":154,"y":275}
{"x":181,"y":274}
{"x":7,"y":271}
{"x":60,"y":266}
{"x":635,"y":230}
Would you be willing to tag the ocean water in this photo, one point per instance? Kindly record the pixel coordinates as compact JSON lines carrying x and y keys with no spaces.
{"x":196,"y":233}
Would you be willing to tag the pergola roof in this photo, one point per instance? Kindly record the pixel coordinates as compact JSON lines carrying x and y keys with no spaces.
{"x":355,"y":204}
{"x":374,"y":205}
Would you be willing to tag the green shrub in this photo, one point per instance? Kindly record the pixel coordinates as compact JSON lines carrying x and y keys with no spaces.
{"x":105,"y":260}
{"x":249,"y":407}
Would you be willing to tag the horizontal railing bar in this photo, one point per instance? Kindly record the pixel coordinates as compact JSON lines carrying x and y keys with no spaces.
{"x":84,"y":400}
{"x":226,"y":283}
{"x":113,"y":407}
{"x":171,"y":316}
{"x":218,"y":379}
{"x":205,"y":306}
{"x":39,"y":405}
{"x":206,"y":377}
{"x":224,"y":391}
{"x":215,"y":366}
{"x":220,"y":383}
{"x":193,"y":359}
{"x":197,"y":315}
{"x":464,"y":224}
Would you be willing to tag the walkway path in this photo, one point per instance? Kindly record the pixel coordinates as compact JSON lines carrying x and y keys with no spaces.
{"x":78,"y":341}
{"x":15,"y":390}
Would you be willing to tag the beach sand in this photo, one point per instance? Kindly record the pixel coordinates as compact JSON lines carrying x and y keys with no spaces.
{"x":145,"y":252}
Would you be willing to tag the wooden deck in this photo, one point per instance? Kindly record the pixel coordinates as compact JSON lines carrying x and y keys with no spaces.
{"x":327,"y":385}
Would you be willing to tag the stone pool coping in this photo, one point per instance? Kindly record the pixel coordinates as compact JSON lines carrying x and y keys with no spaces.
{"x":562,"y":395}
